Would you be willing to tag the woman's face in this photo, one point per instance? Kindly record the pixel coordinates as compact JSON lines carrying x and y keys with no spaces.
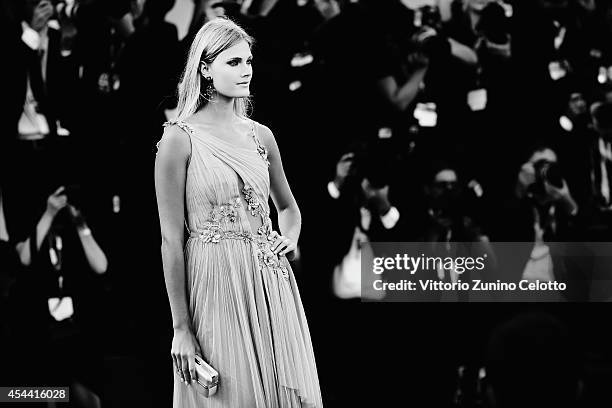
{"x":231,"y":71}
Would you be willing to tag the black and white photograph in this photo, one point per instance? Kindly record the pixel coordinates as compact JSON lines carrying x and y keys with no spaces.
{"x":306,"y":203}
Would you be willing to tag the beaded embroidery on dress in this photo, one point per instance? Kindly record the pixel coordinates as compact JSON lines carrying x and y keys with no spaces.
{"x":244,"y":302}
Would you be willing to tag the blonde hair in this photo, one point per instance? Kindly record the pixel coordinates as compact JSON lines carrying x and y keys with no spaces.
{"x":212,"y":39}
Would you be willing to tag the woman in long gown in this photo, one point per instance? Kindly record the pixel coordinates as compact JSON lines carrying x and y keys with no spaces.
{"x":233,"y":295}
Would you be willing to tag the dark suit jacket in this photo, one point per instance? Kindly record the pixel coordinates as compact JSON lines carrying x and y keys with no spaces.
{"x":581,"y":160}
{"x":516,"y":227}
{"x":328,"y":231}
{"x":55,"y":96}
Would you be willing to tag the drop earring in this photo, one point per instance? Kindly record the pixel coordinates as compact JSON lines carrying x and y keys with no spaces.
{"x":209,"y":91}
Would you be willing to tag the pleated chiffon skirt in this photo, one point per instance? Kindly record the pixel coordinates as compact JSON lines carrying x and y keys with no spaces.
{"x":243,"y":299}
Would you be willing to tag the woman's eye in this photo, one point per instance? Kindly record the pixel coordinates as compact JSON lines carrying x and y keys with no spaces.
{"x":233,"y":63}
{"x":250,"y":61}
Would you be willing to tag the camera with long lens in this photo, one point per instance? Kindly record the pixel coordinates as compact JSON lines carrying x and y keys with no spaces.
{"x":546,"y":172}
{"x":427,"y":18}
{"x":455,"y":200}
{"x":371,"y":161}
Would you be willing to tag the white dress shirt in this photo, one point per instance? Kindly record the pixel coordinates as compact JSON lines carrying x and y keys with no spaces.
{"x":389,"y":220}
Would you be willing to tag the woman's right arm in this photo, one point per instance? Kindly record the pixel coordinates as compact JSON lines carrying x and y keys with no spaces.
{"x":170,"y":175}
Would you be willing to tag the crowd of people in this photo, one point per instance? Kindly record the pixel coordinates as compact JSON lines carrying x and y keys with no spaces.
{"x":489,"y":124}
{"x":398,"y":120}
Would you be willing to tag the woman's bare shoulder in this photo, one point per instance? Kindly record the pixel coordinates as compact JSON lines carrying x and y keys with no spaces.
{"x":264,"y":133}
{"x":175,"y":140}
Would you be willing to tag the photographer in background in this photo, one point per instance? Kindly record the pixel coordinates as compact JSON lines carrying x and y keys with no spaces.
{"x":597,"y":175}
{"x":451,"y":206}
{"x":450,"y":223}
{"x":420,"y":63}
{"x":357,"y":206}
{"x":596,"y":208}
{"x":45,"y":230}
{"x":550,"y":50}
{"x":361,"y":208}
{"x":483,"y":26}
{"x":40,"y":80}
{"x":543,"y":192}
{"x":57,"y":301}
{"x":541,"y":214}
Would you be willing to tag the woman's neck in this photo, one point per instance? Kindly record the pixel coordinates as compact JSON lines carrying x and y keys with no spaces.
{"x":219,"y":110}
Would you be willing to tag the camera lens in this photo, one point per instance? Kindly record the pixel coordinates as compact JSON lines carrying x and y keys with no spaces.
{"x":549,"y":172}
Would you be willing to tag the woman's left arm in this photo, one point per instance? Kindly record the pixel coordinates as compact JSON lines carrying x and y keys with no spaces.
{"x":289,"y":217}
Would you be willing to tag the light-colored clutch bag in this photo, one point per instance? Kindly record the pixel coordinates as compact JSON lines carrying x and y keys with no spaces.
{"x":208,"y":378}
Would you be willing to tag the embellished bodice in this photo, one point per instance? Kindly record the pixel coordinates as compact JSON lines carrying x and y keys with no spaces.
{"x":227,"y":186}
{"x":227,"y":190}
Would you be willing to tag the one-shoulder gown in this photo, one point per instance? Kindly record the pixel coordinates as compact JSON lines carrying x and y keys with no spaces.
{"x":243,"y":299}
